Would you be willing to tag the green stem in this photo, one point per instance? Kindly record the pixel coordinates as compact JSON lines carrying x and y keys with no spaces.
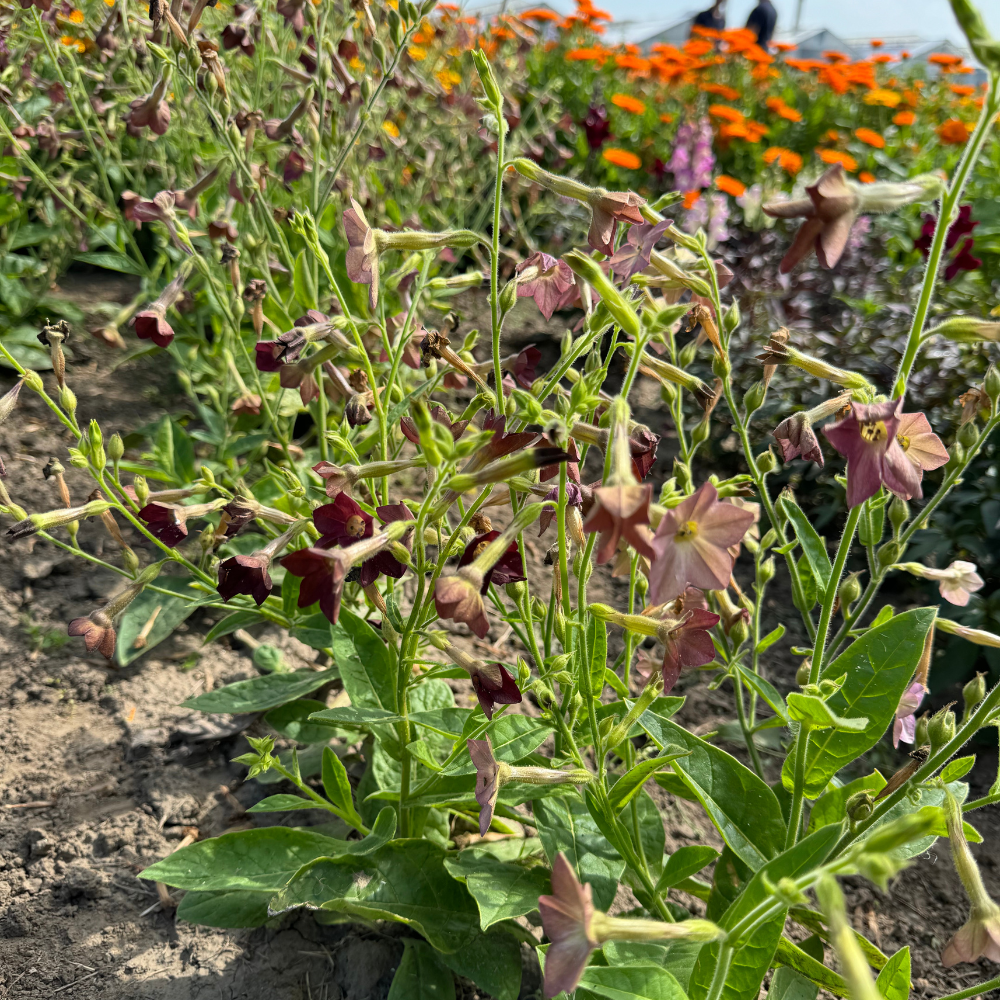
{"x":722,"y":964}
{"x":497,"y":319}
{"x":974,"y":991}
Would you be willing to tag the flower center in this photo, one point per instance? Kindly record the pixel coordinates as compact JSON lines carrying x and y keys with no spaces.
{"x":874,"y":431}
{"x":904,"y":442}
{"x":355,"y":526}
{"x":478,"y":550}
{"x":687,"y":531}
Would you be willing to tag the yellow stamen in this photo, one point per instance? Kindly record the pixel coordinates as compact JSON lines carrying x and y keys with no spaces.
{"x":687,"y":531}
{"x":355,"y":526}
{"x":874,"y":431}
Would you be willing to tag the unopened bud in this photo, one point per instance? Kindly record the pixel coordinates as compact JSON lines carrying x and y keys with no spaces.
{"x":888,"y":554}
{"x":849,"y":591}
{"x":77,"y":459}
{"x":141,"y":490}
{"x":941,"y":728}
{"x":731,"y":317}
{"x":538,"y":609}
{"x":508,"y":296}
{"x":802,"y":674}
{"x":130,"y":560}
{"x":968,"y":435}
{"x":739,"y":632}
{"x":859,"y":806}
{"x":754,"y":398}
{"x":766,"y":462}
{"x":721,"y":365}
{"x":767,"y":570}
{"x":700,"y":433}
{"x":400,"y":552}
{"x":991,"y":383}
{"x":116,"y":448}
{"x":67,"y":399}
{"x":605,"y":727}
{"x":973,"y":693}
{"x":33,"y":381}
{"x":517,"y":591}
{"x":921,"y":736}
{"x":956,"y":457}
{"x":899,"y":513}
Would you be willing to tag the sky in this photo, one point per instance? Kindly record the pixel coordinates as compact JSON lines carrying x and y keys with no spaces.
{"x":929,"y":19}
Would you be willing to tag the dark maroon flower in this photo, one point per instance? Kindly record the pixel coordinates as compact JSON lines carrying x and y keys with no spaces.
{"x":962,"y":226}
{"x":272,"y":354}
{"x":572,"y":467}
{"x":494,"y":686}
{"x":524,"y":364}
{"x":438,"y":413}
{"x":151,"y":324}
{"x":508,"y":569}
{"x":166,"y":522}
{"x":150,"y":112}
{"x":962,"y":261}
{"x":385,"y":562}
{"x":643,"y":444}
{"x":502,"y":443}
{"x":293,"y":167}
{"x":293,"y":13}
{"x":322,"y":579}
{"x":342,"y":522}
{"x":245,"y":575}
{"x":597,"y":126}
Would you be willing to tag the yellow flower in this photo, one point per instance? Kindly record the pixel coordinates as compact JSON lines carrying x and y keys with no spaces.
{"x":417,"y":53}
{"x":76,"y":17}
{"x":391,"y":128}
{"x":356,"y":63}
{"x":448,"y":79}
{"x":886,"y":98}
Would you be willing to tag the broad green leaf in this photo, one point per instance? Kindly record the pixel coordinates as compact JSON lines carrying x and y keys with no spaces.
{"x":349,"y":715}
{"x":809,"y":966}
{"x":743,"y":808}
{"x":813,"y":547}
{"x":754,"y":956}
{"x":830,"y":806}
{"x":958,"y":768}
{"x":365,"y":663}
{"x":765,"y":690}
{"x":787,"y":984}
{"x":672,"y":782}
{"x":629,"y":784}
{"x":492,"y":961}
{"x":283,"y":803}
{"x":878,"y":666}
{"x":683,"y":863}
{"x":173,"y":611}
{"x":111,"y":260}
{"x":502,"y":889}
{"x":894,"y":980}
{"x":817,"y":712}
{"x":564,"y":824}
{"x":337,"y":786}
{"x":513,"y":738}
{"x":883,"y":616}
{"x":630,"y":982}
{"x":261,"y":693}
{"x":314,"y":631}
{"x":447,"y":721}
{"x":290,"y":586}
{"x":231,"y":908}
{"x":292,"y":720}
{"x":420,"y":975}
{"x":229,"y":624}
{"x":634,"y":952}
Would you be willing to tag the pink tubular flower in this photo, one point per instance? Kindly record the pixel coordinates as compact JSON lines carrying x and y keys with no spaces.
{"x":566,"y":918}
{"x":956,"y":583}
{"x":633,"y":255}
{"x":548,"y":281}
{"x":621,"y":511}
{"x":322,"y":579}
{"x":919,"y":443}
{"x":459,"y":597}
{"x":867,"y":438}
{"x":687,"y":644}
{"x":904,"y":726}
{"x":608,"y":209}
{"x":691,"y":542}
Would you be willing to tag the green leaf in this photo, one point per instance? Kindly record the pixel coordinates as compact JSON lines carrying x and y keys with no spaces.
{"x":630,"y":982}
{"x":502,"y":890}
{"x":283,"y":803}
{"x":261,"y":693}
{"x":883,"y":616}
{"x":564,"y":824}
{"x":754,"y":956}
{"x":492,"y":961}
{"x":173,"y":611}
{"x":419,"y":750}
{"x":957,"y":768}
{"x":629,"y":784}
{"x":787,"y":984}
{"x":683,"y":863}
{"x":314,"y":631}
{"x":420,"y":975}
{"x":894,"y":980}
{"x":365,"y":664}
{"x":878,"y":666}
{"x":770,"y":639}
{"x":830,"y":807}
{"x":292,"y":721}
{"x":743,"y":808}
{"x":810,"y":967}
{"x":262,"y":859}
{"x":337,"y":786}
{"x":817,"y":712}
{"x":290,"y":587}
{"x":651,"y":833}
{"x":671,"y":782}
{"x":231,"y":908}
{"x":813,"y":547}
{"x":808,"y":582}
{"x":765,"y":690}
{"x":110,"y":260}
{"x":229,"y":624}
{"x":513,"y":738}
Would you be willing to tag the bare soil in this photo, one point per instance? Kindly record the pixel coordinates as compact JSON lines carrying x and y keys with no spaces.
{"x":101,"y":773}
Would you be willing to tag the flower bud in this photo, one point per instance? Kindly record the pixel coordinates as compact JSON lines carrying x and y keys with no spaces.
{"x":754,"y":398}
{"x":859,"y":806}
{"x":378,"y":50}
{"x":957,"y":457}
{"x":34,"y":381}
{"x":921,"y":737}
{"x":941,"y":728}
{"x":67,"y":399}
{"x":687,"y":353}
{"x":991,"y":383}
{"x":487,"y":78}
{"x":721,"y":366}
{"x":802,"y":674}
{"x":731,"y":317}
{"x":517,"y":591}
{"x":77,"y":459}
{"x":888,"y":554}
{"x":766,"y":462}
{"x":700,"y":433}
{"x":899,"y":513}
{"x":508,"y":296}
{"x":141,"y":490}
{"x":739,"y":632}
{"x":116,"y":447}
{"x":850,"y":591}
{"x":538,"y":609}
{"x":968,"y":435}
{"x":767,"y":570}
{"x":620,"y":308}
{"x":973,"y":693}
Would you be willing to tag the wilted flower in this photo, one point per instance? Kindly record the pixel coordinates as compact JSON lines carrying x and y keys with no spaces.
{"x":247,"y":403}
{"x":548,"y":281}
{"x":691,"y":545}
{"x":867,"y":438}
{"x":956,"y":583}
{"x":487,"y":780}
{"x":151,"y":111}
{"x":608,"y":208}
{"x":904,"y":726}
{"x":458,"y":597}
{"x":796,"y":436}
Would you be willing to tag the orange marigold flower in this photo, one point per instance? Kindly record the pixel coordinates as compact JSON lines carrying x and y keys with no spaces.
{"x":877,"y":43}
{"x":832,"y":156}
{"x":733,"y":130}
{"x":866,"y":178}
{"x":720,"y":90}
{"x":836,"y":57}
{"x":628,"y":103}
{"x":962,"y":90}
{"x":704,"y":32}
{"x":587,"y":55}
{"x":788,"y":160}
{"x":730,"y":185}
{"x":698,"y":47}
{"x":785,"y":46}
{"x":540,"y":14}
{"x":633,"y":62}
{"x":622,"y":158}
{"x":755,"y":131}
{"x":76,"y":16}
{"x":666,"y":119}
{"x":904,"y":54}
{"x":726,"y":113}
{"x":883,"y":97}
{"x":953,"y":132}
{"x":904,"y":118}
{"x":944,"y":59}
{"x":780,"y":108}
{"x":870,"y":137}
{"x":690,"y":197}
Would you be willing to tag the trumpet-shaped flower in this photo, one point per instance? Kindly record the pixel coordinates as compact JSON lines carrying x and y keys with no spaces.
{"x":566,"y":917}
{"x":904,"y":726}
{"x":342,"y":522}
{"x":956,"y":583}
{"x":509,"y":568}
{"x":608,"y":208}
{"x":919,"y":443}
{"x":867,"y":438}
{"x":548,"y":281}
{"x":248,"y":575}
{"x":690,"y":547}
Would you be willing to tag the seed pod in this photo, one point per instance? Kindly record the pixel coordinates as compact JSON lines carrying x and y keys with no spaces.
{"x":766,"y":462}
{"x":859,"y":806}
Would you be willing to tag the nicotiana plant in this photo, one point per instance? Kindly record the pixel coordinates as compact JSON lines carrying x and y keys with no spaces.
{"x":401,"y":561}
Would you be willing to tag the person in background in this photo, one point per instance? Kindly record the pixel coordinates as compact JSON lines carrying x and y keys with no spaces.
{"x":714,"y":17}
{"x":761,"y":21}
